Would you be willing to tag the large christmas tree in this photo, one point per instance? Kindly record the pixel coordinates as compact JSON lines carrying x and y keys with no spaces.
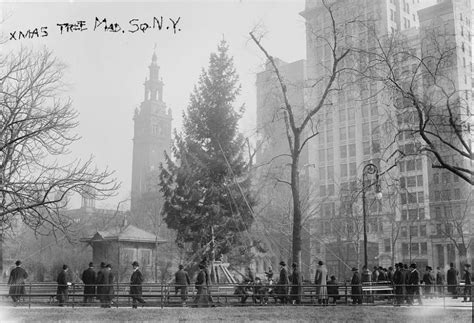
{"x":206,"y":187}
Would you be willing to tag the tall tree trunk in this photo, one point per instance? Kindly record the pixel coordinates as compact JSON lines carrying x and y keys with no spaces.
{"x":295,"y":190}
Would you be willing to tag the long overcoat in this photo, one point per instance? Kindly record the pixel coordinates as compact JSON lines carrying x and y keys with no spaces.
{"x":17,"y":282}
{"x":89,"y":278}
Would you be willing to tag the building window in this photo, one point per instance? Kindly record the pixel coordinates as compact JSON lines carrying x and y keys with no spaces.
{"x":343,"y":133}
{"x":352,"y":150}
{"x":352,"y":132}
{"x":343,"y":168}
{"x":436,"y":178}
{"x":419,"y":180}
{"x":424,"y":248}
{"x":421,"y":214}
{"x":403,"y":198}
{"x":411,"y":181}
{"x":343,"y":151}
{"x":366,"y":148}
{"x":403,"y":232}
{"x":329,"y":136}
{"x":457,"y":194}
{"x":388,"y":246}
{"x":330,"y":173}
{"x":410,"y":165}
{"x":421,"y":197}
{"x":412,"y":197}
{"x":330,"y":154}
{"x":342,"y":115}
{"x":404,"y":215}
{"x":352,"y":169}
{"x":423,"y":230}
{"x":405,"y":248}
{"x":419,"y":164}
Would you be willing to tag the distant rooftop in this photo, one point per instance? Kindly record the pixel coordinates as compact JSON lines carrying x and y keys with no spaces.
{"x":129,"y":233}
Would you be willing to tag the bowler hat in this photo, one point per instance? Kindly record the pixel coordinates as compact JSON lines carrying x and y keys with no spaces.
{"x":282,"y":263}
{"x":180,"y":266}
{"x":354,"y":269}
{"x":135,"y":263}
{"x":108,"y":266}
{"x":467,"y":265}
{"x":18,"y":262}
{"x":65,"y":267}
{"x":102,"y":264}
{"x":91,"y":264}
{"x":413,"y":265}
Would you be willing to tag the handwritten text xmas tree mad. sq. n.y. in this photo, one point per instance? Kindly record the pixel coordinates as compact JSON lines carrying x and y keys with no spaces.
{"x":134,"y":25}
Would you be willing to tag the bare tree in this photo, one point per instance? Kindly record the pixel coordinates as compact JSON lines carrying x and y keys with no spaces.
{"x":431,"y":107}
{"x":35,"y":133}
{"x":300,"y":126}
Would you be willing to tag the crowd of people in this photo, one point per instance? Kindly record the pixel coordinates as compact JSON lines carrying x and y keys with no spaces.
{"x":406,"y":282}
{"x":97,"y":285}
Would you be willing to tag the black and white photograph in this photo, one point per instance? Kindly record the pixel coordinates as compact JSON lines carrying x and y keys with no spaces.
{"x":236,"y":161}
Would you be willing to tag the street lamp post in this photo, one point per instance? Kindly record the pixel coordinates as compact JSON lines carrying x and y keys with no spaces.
{"x":368,"y":169}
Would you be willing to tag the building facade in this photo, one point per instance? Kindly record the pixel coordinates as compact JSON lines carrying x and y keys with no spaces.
{"x":357,"y":128}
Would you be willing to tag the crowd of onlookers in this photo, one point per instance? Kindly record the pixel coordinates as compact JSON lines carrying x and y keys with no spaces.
{"x":403,"y":281}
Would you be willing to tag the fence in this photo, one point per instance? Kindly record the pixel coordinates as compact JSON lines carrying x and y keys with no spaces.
{"x":161,"y":295}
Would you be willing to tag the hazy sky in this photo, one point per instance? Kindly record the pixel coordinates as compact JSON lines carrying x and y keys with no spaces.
{"x":106,"y":70}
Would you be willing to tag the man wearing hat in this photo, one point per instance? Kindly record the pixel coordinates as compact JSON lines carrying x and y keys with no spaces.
{"x":17,"y":282}
{"x":136,"y":285}
{"x":452,"y":280}
{"x":356,"y":287}
{"x":109,"y":287}
{"x":467,"y":283}
{"x":414,"y":285}
{"x":89,"y":278}
{"x":439,"y":281}
{"x":398,"y":284}
{"x":63,"y":285}
{"x":282,"y":285}
{"x":102,"y":281}
{"x":182,"y":282}
{"x":295,"y":290}
{"x":429,"y":280}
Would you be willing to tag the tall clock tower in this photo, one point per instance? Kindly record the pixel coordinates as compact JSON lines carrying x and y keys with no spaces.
{"x":152,"y":137}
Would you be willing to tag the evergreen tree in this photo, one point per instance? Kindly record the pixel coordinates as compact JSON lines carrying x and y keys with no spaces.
{"x":206,"y":187}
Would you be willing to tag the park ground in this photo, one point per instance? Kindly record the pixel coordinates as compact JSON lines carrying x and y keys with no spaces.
{"x":377,"y":314}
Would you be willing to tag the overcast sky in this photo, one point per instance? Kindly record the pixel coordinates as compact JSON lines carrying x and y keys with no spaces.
{"x":106,"y":70}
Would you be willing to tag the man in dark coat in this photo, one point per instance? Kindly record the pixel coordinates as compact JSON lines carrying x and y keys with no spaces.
{"x":17,"y":282}
{"x":109,"y":287}
{"x":282,"y":285}
{"x":182,"y":282}
{"x":333,"y":289}
{"x":356,"y":287}
{"x":439,"y":281}
{"x":429,"y":280}
{"x":136,"y":281}
{"x":295,"y":291}
{"x":89,"y":278}
{"x":398,"y":284}
{"x":63,"y":285}
{"x":414,"y":285}
{"x":102,"y":281}
{"x":406,"y":277}
{"x":467,"y":283}
{"x":452,"y":279}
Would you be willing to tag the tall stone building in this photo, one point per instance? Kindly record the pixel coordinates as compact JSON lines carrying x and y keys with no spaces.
{"x":152,"y":137}
{"x":402,"y":226}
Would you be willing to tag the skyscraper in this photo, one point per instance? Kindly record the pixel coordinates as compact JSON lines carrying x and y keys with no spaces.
{"x":355,"y":130}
